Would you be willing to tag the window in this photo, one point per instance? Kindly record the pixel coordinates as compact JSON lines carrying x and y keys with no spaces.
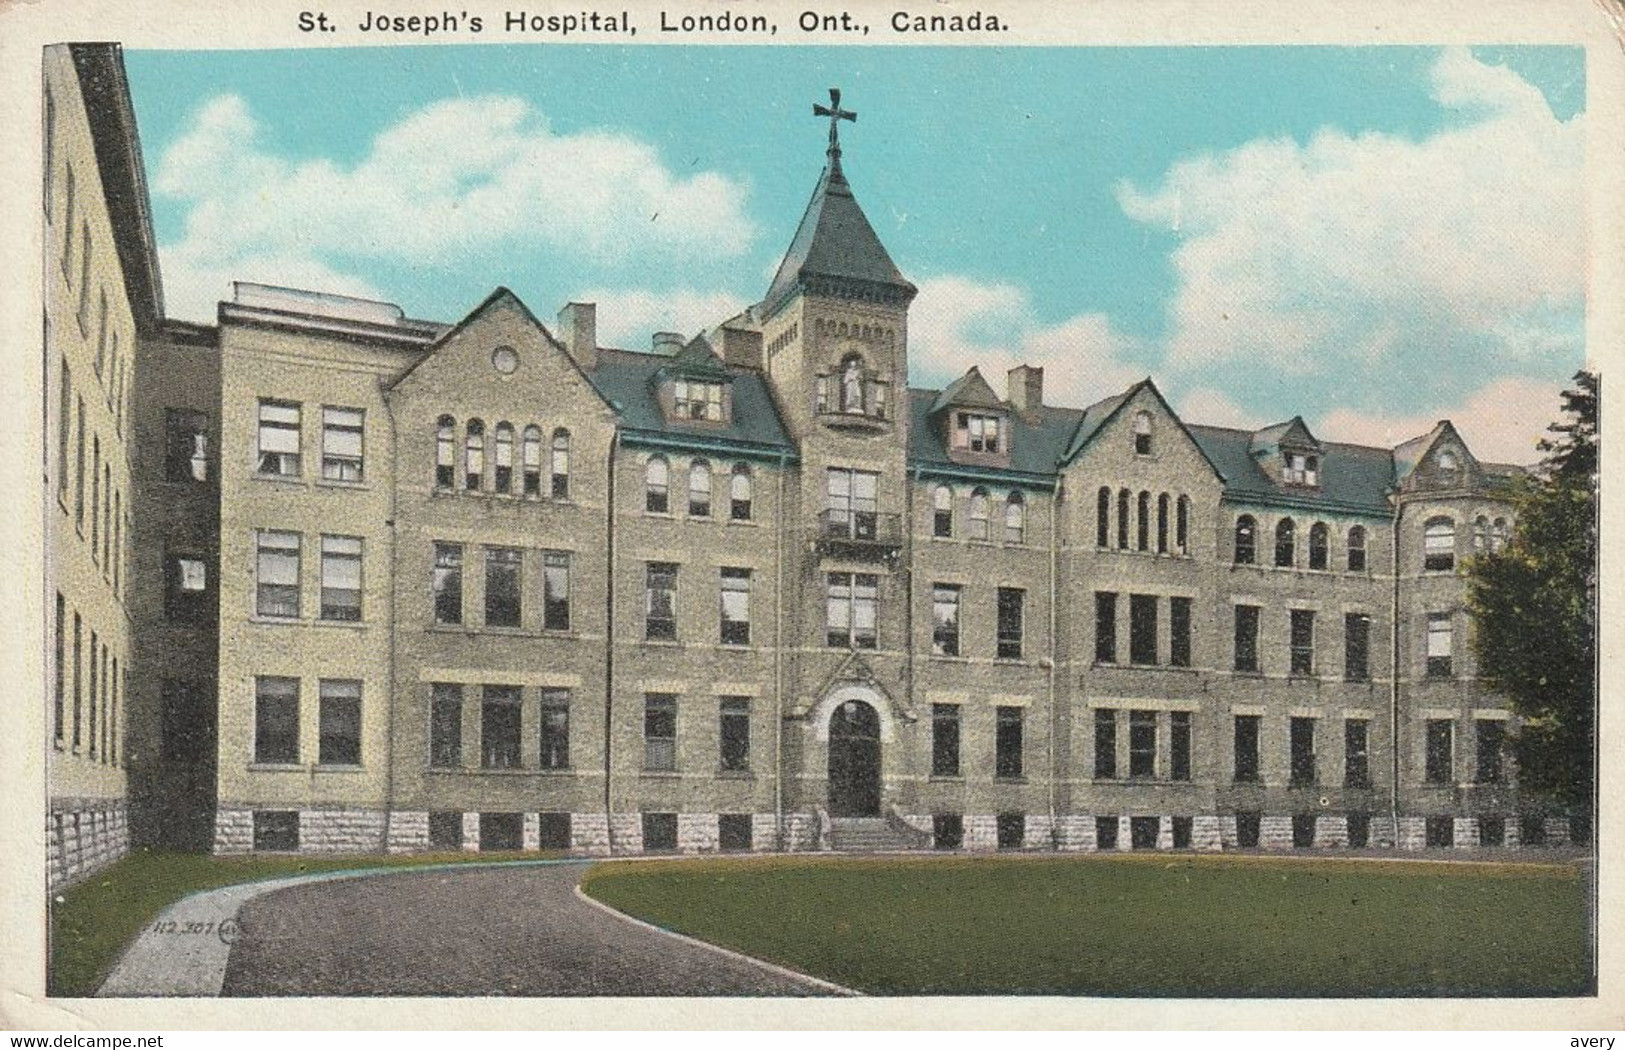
{"x":501,"y":831}
{"x":499,"y":726}
{"x":445,"y":454}
{"x":694,"y":399}
{"x":276,"y":831}
{"x":660,"y":601}
{"x":1301,"y":740}
{"x":1356,"y":647}
{"x":556,"y":590}
{"x":1440,"y":746}
{"x":1180,"y":829}
{"x":1142,"y":744}
{"x":1015,"y":518}
{"x":1440,"y":831}
{"x":699,"y":489}
{"x":1105,"y":833}
{"x":60,"y":692}
{"x":1247,"y":638}
{"x":1439,"y":545}
{"x":78,"y":676}
{"x":1284,"y":536}
{"x":1105,"y":627}
{"x":1357,"y":549}
{"x":83,"y":314}
{"x":1491,"y":733}
{"x":1105,"y":744}
{"x":1142,"y":433}
{"x":733,"y":832}
{"x":50,"y":152}
{"x":734,"y":734}
{"x":95,"y":696}
{"x":947,"y":831}
{"x":1301,"y":469}
{"x":553,"y":831}
{"x":79,"y":470}
{"x":1303,"y":641}
{"x":1179,"y":632}
{"x":474,"y":456}
{"x":1498,"y":535}
{"x":850,"y":609}
{"x":276,"y":720}
{"x":186,"y":445}
{"x":1123,"y":511}
{"x":1011,"y":601}
{"x":976,"y":527}
{"x":445,"y":725}
{"x":503,"y":447}
{"x":1162,"y":523}
{"x":1182,"y":525}
{"x":445,"y":831}
{"x":1492,"y":831}
{"x":279,"y":438}
{"x":186,"y":592}
{"x":1246,"y":540}
{"x":1143,"y":832}
{"x":341,"y":443}
{"x":945,"y":740}
{"x":1007,"y":742}
{"x":975,"y":432}
{"x":447,"y":583}
{"x":1010,"y":830}
{"x":1142,"y":536}
{"x":555,"y":720}
{"x":735,"y":606}
{"x":95,"y":494}
{"x":1481,"y":531}
{"x":1103,"y":517}
{"x":656,"y":486}
{"x":1356,"y":753}
{"x":659,"y":832}
{"x":739,"y":493}
{"x":1246,"y":749}
{"x":1319,"y":549}
{"x":1179,"y":745}
{"x":1142,"y":628}
{"x":101,"y":339}
{"x":1440,"y":644}
{"x":341,"y":578}
{"x":340,"y":723}
{"x":502,"y":570}
{"x":944,"y":620}
{"x":64,"y":421}
{"x":1447,"y":465}
{"x":942,"y":511}
{"x":67,"y":232}
{"x":530,"y":460}
{"x":660,"y":732}
{"x":277,"y":591}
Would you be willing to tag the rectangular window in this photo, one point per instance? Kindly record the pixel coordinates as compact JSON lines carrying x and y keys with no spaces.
{"x":101,"y":339}
{"x":1359,"y":830}
{"x":850,"y":609}
{"x":1179,"y":745}
{"x":1105,"y":833}
{"x":50,"y":151}
{"x":852,"y":503}
{"x":502,"y":570}
{"x":1011,"y":622}
{"x":1439,"y":831}
{"x":1105,"y":627}
{"x":1105,"y":744}
{"x":1440,"y":644}
{"x":445,"y":831}
{"x":500,"y":707}
{"x":660,"y":732}
{"x":1303,"y":642}
{"x":733,"y":832}
{"x":659,"y":832}
{"x":976,"y":433}
{"x":735,"y":602}
{"x":1179,"y":632}
{"x":660,"y":601}
{"x":276,"y":720}
{"x":1142,"y":628}
{"x":445,"y":725}
{"x":1441,"y":734}
{"x":279,"y":438}
{"x":1007,"y":742}
{"x":64,"y":430}
{"x":1010,"y":830}
{"x":553,"y":831}
{"x":78,"y":676}
{"x":447,"y":583}
{"x":341,"y":578}
{"x":1142,"y":744}
{"x":186,"y":589}
{"x":95,"y":495}
{"x":60,"y":657}
{"x":69,"y":203}
{"x":1356,"y":753}
{"x":1356,"y":647}
{"x":95,"y":696}
{"x":278,"y":579}
{"x":1181,"y":828}
{"x":1491,"y":733}
{"x":276,"y":831}
{"x":947,"y":830}
{"x":734,"y":734}
{"x":340,"y":721}
{"x":341,"y":443}
{"x":693,"y":399}
{"x":79,"y":470}
{"x":186,"y":446}
{"x":1301,"y":739}
{"x":555,"y":749}
{"x":1247,"y":638}
{"x":83,"y":314}
{"x":944,"y":620}
{"x":1248,"y":824}
{"x":1246,"y":747}
{"x":556,"y":590}
{"x":945,"y":740}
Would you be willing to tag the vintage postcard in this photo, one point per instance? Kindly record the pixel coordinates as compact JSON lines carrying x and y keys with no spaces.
{"x":863,"y":516}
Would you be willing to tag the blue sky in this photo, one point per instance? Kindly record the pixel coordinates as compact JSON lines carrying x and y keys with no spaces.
{"x":1371,"y":237}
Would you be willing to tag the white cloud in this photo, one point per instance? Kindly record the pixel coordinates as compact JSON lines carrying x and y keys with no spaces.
{"x":1215,"y":408}
{"x":628,"y":317}
{"x":1501,"y":422}
{"x":454,"y":180}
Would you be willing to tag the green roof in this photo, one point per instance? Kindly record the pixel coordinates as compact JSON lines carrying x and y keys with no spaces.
{"x":1353,"y":478}
{"x":836,"y":243}
{"x":1036,"y":448}
{"x":627,"y":380}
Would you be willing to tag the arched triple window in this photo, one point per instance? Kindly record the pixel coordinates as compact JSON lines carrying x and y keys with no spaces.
{"x":1319,"y":545}
{"x":1438,"y":545}
{"x":1015,"y":518}
{"x":1143,"y":532}
{"x":1285,"y":543}
{"x":1357,"y":548}
{"x":1103,"y":517}
{"x":1124,"y":499}
{"x":1182,"y":525}
{"x":942,"y":511}
{"x":561,"y":464}
{"x":699,"y":489}
{"x":531,"y":458}
{"x":504,"y":457}
{"x":474,"y":456}
{"x":1162,"y":523}
{"x":977,"y":529}
{"x":739,"y":493}
{"x":657,"y":486}
{"x":445,"y":454}
{"x":1142,"y":433}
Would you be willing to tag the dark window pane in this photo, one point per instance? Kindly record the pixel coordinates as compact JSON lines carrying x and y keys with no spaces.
{"x":1105,"y":628}
{"x":947,"y":831}
{"x":276,"y":720}
{"x":1142,"y":743}
{"x":1105,"y":744}
{"x":499,"y":727}
{"x":1247,"y":638}
{"x":1142,"y":644}
{"x":1356,"y":647}
{"x":1179,"y":745}
{"x":1491,"y":736}
{"x":1179,"y":632}
{"x":445,"y":726}
{"x":1012,"y":830}
{"x":502,"y":569}
{"x":1303,"y":641}
{"x":1246,"y":748}
{"x":555,"y":717}
{"x":1440,"y":740}
{"x":1008,"y":743}
{"x":340,"y":718}
{"x":1356,"y":756}
{"x":735,"y":734}
{"x":945,"y":740}
{"x":448,"y":583}
{"x":1010,"y":625}
{"x":1302,"y":734}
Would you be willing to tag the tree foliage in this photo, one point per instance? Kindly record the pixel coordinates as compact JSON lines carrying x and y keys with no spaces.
{"x":1534,"y":608}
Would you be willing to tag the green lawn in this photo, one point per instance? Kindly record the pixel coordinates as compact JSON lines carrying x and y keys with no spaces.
{"x":1177,"y":926}
{"x":93,"y":921}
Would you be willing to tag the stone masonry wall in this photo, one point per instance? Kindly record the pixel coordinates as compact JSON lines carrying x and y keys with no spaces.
{"x":84,"y":839}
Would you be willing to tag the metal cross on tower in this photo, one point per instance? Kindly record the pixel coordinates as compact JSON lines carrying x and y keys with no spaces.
{"x":835,"y":114}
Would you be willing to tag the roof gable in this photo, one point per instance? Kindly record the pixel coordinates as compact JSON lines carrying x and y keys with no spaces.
{"x":1098,"y":415}
{"x":1293,"y":434}
{"x":968,"y":391}
{"x":835,"y":242}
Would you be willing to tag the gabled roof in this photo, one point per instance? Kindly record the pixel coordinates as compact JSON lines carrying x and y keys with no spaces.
{"x":968,"y":391}
{"x":1094,"y":417}
{"x":1353,"y":478}
{"x":835,"y":242}
{"x":697,"y":360}
{"x":1412,"y":452}
{"x":627,"y":380}
{"x":1097,"y":415}
{"x":1294,"y":433}
{"x":1037,"y":445}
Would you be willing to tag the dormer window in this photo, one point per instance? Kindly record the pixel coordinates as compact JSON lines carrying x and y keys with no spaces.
{"x":1301,"y":469}
{"x":975,"y":432}
{"x":1142,"y":433}
{"x":696,"y":399}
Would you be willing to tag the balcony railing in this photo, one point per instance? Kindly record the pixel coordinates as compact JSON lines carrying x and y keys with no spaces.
{"x":859,"y":531}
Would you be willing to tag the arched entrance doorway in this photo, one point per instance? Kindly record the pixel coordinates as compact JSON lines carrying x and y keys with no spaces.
{"x":854,"y":760}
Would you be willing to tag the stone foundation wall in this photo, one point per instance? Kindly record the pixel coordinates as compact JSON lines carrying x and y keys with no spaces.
{"x":1331,"y":832}
{"x":589,"y":833}
{"x":981,"y":832}
{"x":341,"y":830}
{"x":697,"y":832}
{"x":1075,"y":833}
{"x":84,"y":837}
{"x":233,"y":831}
{"x":408,"y":832}
{"x":1207,"y":833}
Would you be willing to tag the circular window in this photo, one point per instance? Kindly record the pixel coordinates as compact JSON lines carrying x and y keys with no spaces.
{"x":505,"y":360}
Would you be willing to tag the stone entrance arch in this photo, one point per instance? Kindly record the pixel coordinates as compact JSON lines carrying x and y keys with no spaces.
{"x":854,"y":729}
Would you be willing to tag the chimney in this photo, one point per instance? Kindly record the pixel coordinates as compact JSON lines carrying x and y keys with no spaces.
{"x":1024,"y":388}
{"x":742,"y":348}
{"x":667,"y":343}
{"x":578,"y":327}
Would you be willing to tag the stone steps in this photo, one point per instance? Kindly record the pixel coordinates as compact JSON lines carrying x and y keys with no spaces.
{"x":869,"y":835}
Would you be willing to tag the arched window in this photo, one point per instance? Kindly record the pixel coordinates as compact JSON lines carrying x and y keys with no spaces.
{"x":739,"y":493}
{"x":1162,"y":523}
{"x":474,"y":456}
{"x":1143,"y":535}
{"x":1357,"y":548}
{"x":445,"y":454}
{"x":561,"y":464}
{"x":1498,"y":535}
{"x":1246,"y":540}
{"x":942,"y":511}
{"x":1285,"y":537}
{"x":1182,"y":526}
{"x":852,"y":384}
{"x":1015,"y":518}
{"x":1103,"y":517}
{"x":1142,"y":433}
{"x":656,"y":486}
{"x":1438,"y":545}
{"x":504,"y":457}
{"x":1319,"y":545}
{"x":531,"y":458}
{"x":699,"y":489}
{"x":1447,"y":465}
{"x":978,"y":514}
{"x":1124,"y":509}
{"x":1481,"y":534}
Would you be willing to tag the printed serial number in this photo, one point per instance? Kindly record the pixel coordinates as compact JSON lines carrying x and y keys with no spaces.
{"x":182,"y":927}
